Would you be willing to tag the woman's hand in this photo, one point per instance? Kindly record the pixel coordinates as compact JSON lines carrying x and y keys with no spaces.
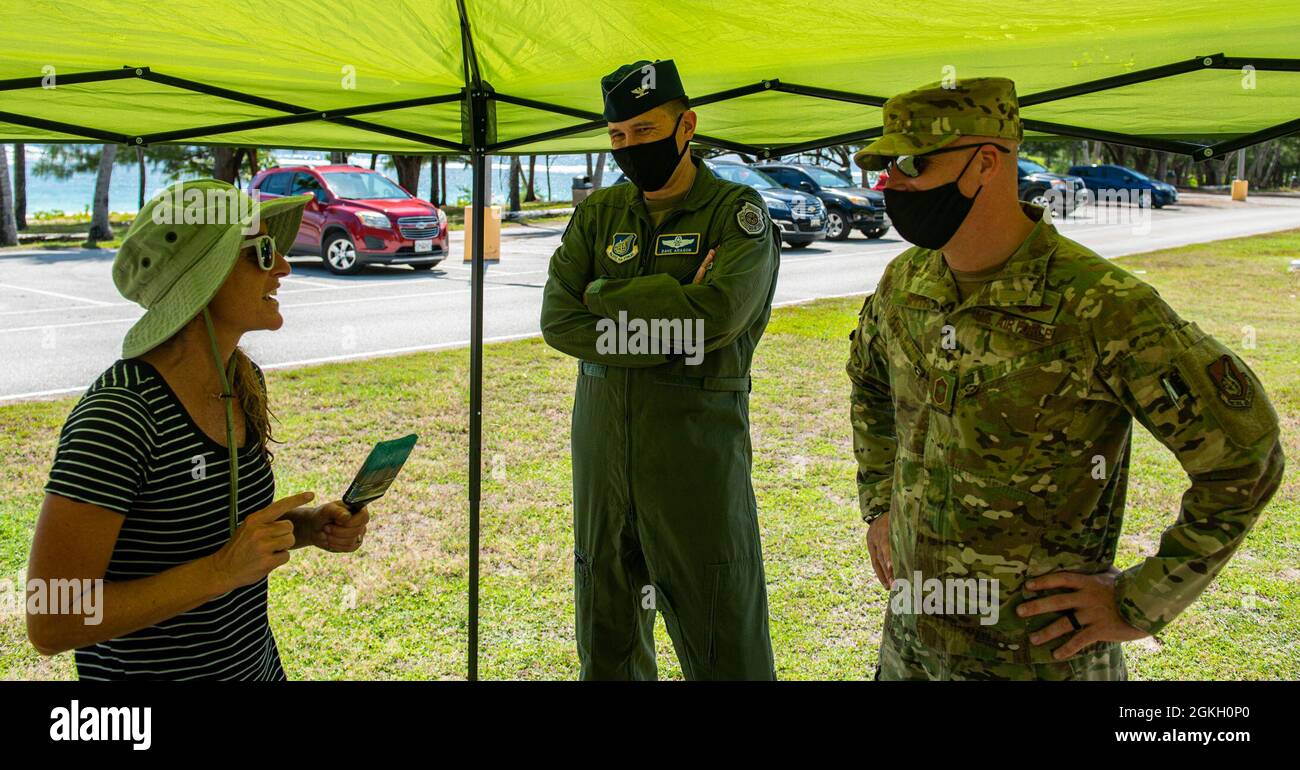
{"x":261,"y":543}
{"x":331,"y":527}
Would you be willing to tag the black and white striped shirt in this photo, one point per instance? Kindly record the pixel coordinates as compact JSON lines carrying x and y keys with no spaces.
{"x":130,"y":446}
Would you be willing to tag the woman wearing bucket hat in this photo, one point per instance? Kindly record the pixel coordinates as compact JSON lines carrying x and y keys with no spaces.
{"x":141,"y":493}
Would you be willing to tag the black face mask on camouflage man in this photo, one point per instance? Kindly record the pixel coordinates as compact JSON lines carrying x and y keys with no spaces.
{"x":930,"y":218}
{"x":928,"y":121}
{"x":649,"y":166}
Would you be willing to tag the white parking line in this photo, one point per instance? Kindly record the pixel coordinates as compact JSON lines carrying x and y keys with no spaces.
{"x":54,"y":294}
{"x":41,"y":393}
{"x":32,"y":311}
{"x":397,"y":351}
{"x":349,"y":301}
{"x":73,"y":325}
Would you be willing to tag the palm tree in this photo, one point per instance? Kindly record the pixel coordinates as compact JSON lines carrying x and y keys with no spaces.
{"x":100,"y":228}
{"x":8,"y":229}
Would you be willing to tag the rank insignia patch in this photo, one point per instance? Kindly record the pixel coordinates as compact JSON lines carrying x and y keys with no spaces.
{"x":751,"y":219}
{"x":1231,"y":382}
{"x":677,"y":243}
{"x":622,"y":248}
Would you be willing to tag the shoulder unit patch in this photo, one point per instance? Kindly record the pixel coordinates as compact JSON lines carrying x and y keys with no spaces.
{"x":622,"y":248}
{"x":1232,"y":383}
{"x":751,"y":219}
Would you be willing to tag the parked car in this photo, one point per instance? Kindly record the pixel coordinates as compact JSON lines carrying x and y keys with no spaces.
{"x":1063,"y":193}
{"x":848,"y":207}
{"x":1106,"y":180}
{"x":881,"y":178}
{"x":359,"y":217}
{"x":801,"y":217}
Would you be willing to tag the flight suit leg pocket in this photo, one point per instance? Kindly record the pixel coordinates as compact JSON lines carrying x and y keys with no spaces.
{"x":737,"y":644}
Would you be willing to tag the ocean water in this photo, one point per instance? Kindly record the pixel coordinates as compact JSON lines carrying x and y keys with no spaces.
{"x":75,"y":194}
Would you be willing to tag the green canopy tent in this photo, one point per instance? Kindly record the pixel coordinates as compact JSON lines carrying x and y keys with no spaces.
{"x":481,"y":77}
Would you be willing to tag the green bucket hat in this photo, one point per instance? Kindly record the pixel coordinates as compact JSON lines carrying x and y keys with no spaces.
{"x":183,"y":245}
{"x":936,"y":115}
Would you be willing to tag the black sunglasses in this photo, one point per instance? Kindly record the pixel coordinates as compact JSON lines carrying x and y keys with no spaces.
{"x":913,"y":166}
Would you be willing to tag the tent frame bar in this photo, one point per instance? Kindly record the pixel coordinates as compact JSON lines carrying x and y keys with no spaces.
{"x":592,"y":121}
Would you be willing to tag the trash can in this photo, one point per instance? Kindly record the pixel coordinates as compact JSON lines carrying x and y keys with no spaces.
{"x":581,"y":188}
{"x":1239,"y":189}
{"x":491,"y":234}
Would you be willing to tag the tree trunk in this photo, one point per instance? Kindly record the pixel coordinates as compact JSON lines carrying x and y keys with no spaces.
{"x":588,"y":164}
{"x":442,"y":181}
{"x":408,"y":171}
{"x":8,"y":227}
{"x":100,"y":229}
{"x":597,"y":178}
{"x":1162,"y":167}
{"x":515,"y":172}
{"x":374,"y":156}
{"x":20,"y":186}
{"x":530,"y":194}
{"x":225,"y":163}
{"x":433,"y":178}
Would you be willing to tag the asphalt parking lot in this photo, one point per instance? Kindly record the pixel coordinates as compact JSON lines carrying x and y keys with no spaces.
{"x":62,"y":321}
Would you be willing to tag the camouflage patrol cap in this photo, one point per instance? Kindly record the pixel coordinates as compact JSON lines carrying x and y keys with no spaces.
{"x":640,"y":87}
{"x":935,"y":115}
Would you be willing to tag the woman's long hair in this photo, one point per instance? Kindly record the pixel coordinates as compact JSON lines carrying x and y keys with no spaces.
{"x":250,"y":389}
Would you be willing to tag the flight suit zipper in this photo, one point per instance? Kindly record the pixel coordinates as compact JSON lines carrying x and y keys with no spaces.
{"x":642,"y":270}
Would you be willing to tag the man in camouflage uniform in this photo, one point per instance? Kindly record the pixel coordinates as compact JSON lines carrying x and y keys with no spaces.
{"x":996,"y":371}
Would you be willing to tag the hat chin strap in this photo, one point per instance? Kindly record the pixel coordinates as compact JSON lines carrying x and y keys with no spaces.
{"x":228,"y":396}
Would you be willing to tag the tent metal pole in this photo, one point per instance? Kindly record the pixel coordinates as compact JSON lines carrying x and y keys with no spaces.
{"x":476,"y":395}
{"x":477,"y":103}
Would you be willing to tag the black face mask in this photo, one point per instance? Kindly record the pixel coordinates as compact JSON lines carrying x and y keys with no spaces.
{"x":649,"y":166}
{"x":930,"y":218}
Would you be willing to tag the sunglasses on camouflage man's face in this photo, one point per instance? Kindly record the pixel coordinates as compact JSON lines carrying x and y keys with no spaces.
{"x":263,"y":250}
{"x":915,"y":165}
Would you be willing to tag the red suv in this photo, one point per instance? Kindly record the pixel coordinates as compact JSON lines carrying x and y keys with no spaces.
{"x":359,"y":217}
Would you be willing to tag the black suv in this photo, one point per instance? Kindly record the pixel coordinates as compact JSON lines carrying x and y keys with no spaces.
{"x":1062,"y":193}
{"x":848,"y":207}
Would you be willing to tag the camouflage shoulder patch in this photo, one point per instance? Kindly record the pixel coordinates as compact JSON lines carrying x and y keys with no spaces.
{"x":1231,"y":383}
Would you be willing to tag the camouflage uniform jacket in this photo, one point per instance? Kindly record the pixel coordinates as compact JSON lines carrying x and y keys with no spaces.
{"x":996,"y":433}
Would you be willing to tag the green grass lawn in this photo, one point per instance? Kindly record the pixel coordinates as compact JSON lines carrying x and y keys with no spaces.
{"x":398,"y":609}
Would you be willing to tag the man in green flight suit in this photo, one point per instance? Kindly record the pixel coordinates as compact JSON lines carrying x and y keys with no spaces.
{"x":662,"y":288}
{"x":996,"y":371}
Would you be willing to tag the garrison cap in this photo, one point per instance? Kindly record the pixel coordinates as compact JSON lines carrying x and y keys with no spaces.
{"x":640,"y":87}
{"x":935,"y":115}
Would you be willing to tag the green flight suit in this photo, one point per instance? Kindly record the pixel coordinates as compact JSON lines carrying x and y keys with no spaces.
{"x":664,"y":513}
{"x":996,"y":433}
